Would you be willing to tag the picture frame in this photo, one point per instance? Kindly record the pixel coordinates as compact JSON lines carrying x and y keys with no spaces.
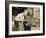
{"x":11,"y":8}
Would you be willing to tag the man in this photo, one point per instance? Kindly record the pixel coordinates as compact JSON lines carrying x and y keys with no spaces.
{"x":25,"y":18}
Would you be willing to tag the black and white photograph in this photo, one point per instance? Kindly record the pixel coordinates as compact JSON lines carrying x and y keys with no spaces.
{"x":25,"y":19}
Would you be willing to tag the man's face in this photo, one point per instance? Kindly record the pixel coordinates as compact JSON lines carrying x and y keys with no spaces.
{"x":25,"y":12}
